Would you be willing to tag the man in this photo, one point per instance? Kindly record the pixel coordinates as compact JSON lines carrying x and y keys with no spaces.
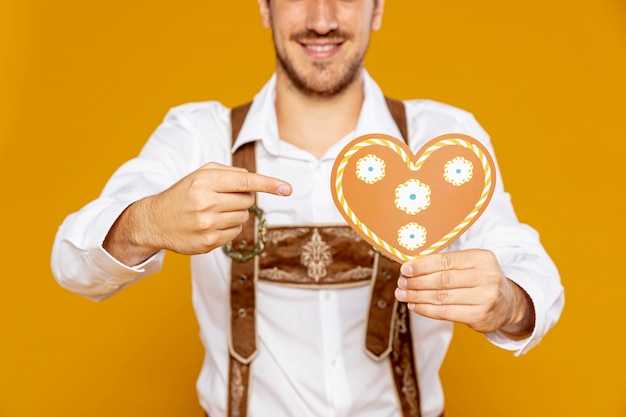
{"x":306,"y":341}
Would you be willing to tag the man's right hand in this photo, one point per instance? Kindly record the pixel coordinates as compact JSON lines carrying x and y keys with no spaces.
{"x":201,"y":212}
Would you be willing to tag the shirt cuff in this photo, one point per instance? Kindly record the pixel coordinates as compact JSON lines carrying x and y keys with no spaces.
{"x":117,"y":274}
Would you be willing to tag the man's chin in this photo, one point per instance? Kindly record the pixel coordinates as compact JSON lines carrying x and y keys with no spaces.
{"x":321,"y":79}
{"x":323,"y":86}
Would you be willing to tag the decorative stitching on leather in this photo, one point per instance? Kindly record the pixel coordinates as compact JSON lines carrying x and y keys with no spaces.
{"x":316,"y":255}
{"x":275,"y":236}
{"x":344,"y":232}
{"x":402,"y":356}
{"x":275,"y":274}
{"x":237,"y":388}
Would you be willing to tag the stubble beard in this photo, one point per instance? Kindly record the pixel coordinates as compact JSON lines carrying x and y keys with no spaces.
{"x":321,"y":82}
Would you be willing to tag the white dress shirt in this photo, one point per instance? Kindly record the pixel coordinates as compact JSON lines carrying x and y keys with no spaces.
{"x":311,"y":360}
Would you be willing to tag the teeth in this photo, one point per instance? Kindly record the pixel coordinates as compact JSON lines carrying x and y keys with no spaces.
{"x":321,"y":48}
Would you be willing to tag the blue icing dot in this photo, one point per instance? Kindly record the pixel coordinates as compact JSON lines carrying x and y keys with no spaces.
{"x":370,"y":169}
{"x":412,"y":236}
{"x":412,"y":196}
{"x":458,"y":171}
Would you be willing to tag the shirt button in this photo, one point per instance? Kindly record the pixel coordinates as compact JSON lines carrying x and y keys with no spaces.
{"x":327,"y":296}
{"x":334,"y":364}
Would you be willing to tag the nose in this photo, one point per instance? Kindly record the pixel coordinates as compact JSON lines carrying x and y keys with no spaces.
{"x":321,"y":16}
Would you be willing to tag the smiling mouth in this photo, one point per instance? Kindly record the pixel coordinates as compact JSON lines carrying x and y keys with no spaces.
{"x":322,"y":48}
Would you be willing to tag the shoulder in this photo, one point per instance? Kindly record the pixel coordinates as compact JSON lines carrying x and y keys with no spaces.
{"x":205,"y":124}
{"x":423,"y":108}
{"x":199,"y":115}
{"x":428,"y":119}
{"x":191,"y":135}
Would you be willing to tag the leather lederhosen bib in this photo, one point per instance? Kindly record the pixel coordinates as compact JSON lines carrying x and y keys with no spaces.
{"x":315,"y":257}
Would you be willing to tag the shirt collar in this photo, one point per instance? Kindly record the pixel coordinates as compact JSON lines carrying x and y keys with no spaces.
{"x":261,"y":124}
{"x":375,"y":116}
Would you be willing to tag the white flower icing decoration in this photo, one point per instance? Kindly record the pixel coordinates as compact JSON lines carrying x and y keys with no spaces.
{"x":413,"y":196}
{"x":370,"y":169}
{"x":412,"y":236}
{"x":458,"y":171}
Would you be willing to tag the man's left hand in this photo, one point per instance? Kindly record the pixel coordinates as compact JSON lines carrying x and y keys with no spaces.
{"x":466,"y":287}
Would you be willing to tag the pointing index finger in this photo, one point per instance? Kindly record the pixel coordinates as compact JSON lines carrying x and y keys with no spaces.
{"x":250,"y":182}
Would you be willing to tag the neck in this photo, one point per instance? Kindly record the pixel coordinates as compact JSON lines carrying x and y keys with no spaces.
{"x":315,"y":123}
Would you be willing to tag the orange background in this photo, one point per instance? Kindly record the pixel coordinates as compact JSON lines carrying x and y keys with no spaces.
{"x":83,"y":84}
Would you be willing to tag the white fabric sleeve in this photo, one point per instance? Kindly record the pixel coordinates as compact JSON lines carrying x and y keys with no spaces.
{"x":80,"y":263}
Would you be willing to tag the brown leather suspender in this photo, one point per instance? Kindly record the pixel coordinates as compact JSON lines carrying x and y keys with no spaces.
{"x":388,"y":331}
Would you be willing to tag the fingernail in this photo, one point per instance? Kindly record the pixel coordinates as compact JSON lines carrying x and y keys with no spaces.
{"x":402,"y":282}
{"x":283,"y":189}
{"x":400,"y":294}
{"x":406,"y":270}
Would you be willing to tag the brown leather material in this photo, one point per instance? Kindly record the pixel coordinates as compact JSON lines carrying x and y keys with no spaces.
{"x":242,"y":307}
{"x":327,"y":256}
{"x":242,"y":333}
{"x":239,"y":381}
{"x":237,"y":117}
{"x":402,"y":363}
{"x":378,"y":336}
{"x":319,"y":257}
{"x":398,"y":112}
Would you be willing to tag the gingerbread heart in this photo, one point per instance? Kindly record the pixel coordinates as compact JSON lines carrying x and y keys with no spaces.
{"x":409,"y":205}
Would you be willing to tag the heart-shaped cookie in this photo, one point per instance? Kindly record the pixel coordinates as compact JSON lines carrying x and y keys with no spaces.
{"x":409,"y":205}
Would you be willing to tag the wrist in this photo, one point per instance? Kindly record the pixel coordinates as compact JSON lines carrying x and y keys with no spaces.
{"x":126,"y":240}
{"x":522,"y":321}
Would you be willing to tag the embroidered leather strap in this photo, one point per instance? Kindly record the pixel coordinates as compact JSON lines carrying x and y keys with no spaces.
{"x":402,"y":363}
{"x":398,"y":112}
{"x":242,"y":332}
{"x":242,"y":283}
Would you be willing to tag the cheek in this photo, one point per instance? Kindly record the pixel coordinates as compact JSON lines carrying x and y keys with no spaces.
{"x":289,"y":17}
{"x":362,"y":38}
{"x":284,"y":28}
{"x":358,"y":24}
{"x":356,"y":16}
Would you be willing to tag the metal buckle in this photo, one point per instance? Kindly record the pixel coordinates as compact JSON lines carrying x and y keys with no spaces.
{"x":259,"y":243}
